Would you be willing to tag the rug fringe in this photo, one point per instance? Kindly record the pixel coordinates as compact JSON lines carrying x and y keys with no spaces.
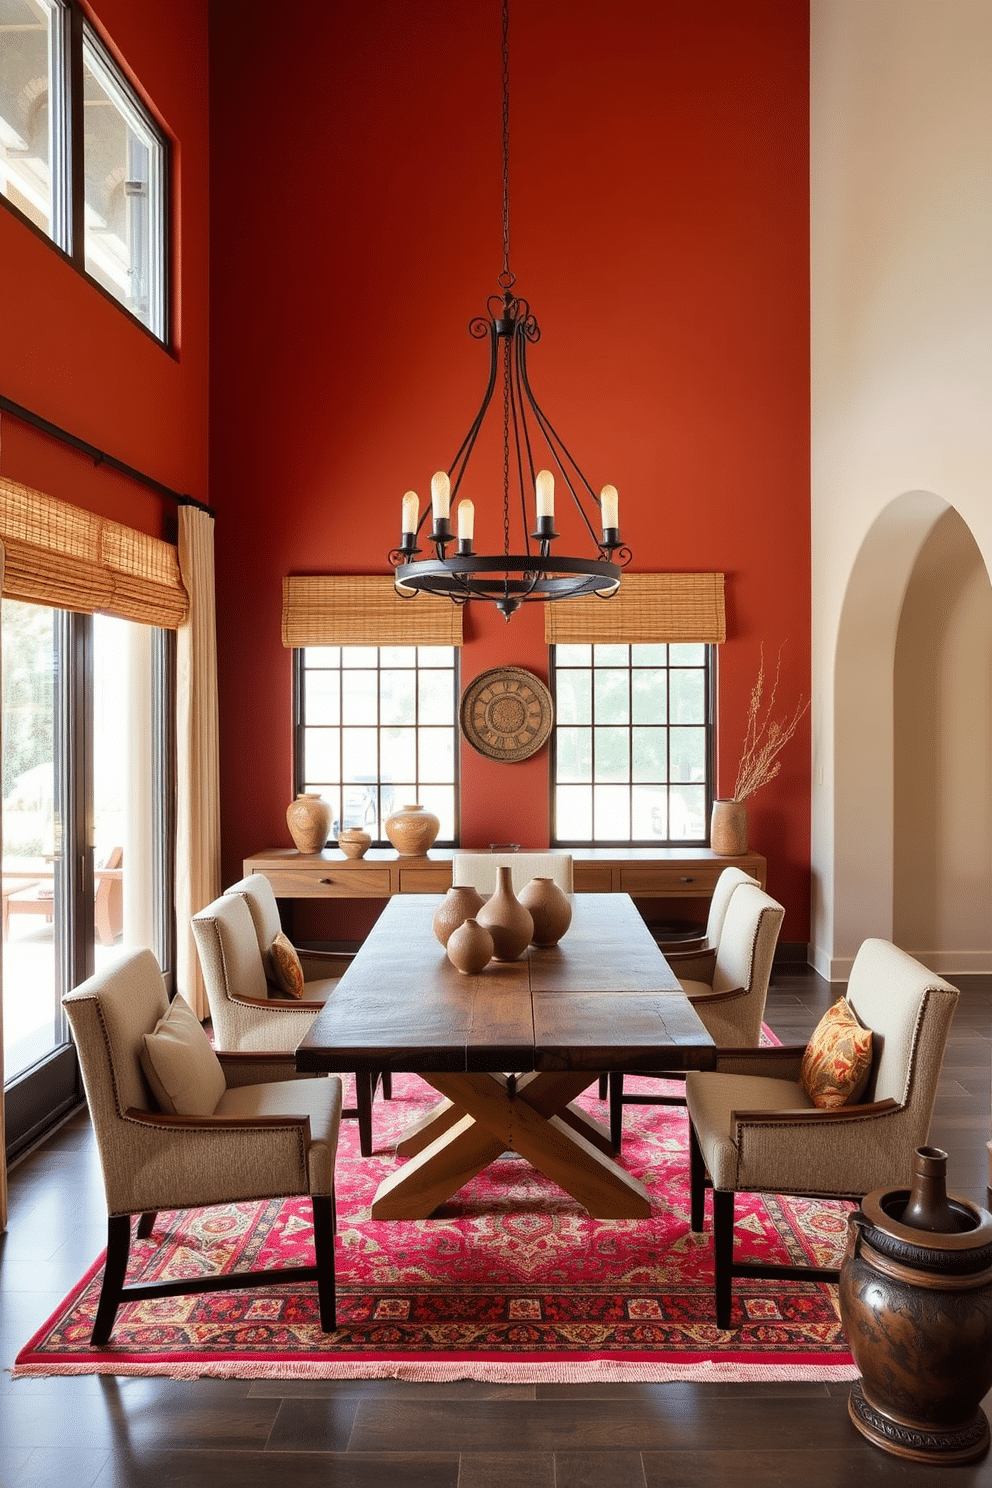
{"x":603,"y":1371}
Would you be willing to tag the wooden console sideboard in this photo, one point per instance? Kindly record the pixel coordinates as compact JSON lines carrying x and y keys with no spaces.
{"x":642,"y":872}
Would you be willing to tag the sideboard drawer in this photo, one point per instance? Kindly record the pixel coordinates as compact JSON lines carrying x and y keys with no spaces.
{"x":591,"y":878}
{"x":328,"y":883}
{"x":682,"y":881}
{"x":435,"y":880}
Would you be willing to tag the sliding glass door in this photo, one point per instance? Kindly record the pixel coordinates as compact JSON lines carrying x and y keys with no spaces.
{"x":86,"y":765}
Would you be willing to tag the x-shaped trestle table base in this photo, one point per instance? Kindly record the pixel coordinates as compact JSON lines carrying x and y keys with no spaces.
{"x":485,"y":1115}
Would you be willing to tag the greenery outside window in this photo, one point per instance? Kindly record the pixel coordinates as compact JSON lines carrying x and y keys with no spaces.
{"x":376,"y":728}
{"x":632,"y":747}
{"x":81,"y":159}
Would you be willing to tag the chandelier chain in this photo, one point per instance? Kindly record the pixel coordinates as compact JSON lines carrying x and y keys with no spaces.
{"x":506,"y":446}
{"x":506,"y":278}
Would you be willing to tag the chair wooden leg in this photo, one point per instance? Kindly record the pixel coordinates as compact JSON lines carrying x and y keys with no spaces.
{"x":387,"y":1085}
{"x":364,"y":1087}
{"x":723,"y":1254}
{"x":146,"y":1224}
{"x":323,"y":1244}
{"x":697,"y":1183}
{"x":616,"y":1109}
{"x":118,"y":1246}
{"x":604,"y":1085}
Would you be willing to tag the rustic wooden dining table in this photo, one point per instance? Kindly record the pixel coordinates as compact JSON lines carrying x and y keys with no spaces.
{"x":509,"y":1050}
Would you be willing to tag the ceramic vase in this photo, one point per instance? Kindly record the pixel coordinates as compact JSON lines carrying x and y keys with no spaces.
{"x":916,"y":1304}
{"x":459,"y":904}
{"x":550,"y":909}
{"x":470,"y":947}
{"x":309,"y":821}
{"x":728,"y":828}
{"x":354,"y":843}
{"x":412,"y":830}
{"x":506,"y":919}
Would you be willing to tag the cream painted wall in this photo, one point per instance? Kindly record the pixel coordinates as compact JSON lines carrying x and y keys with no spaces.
{"x":942,"y":870}
{"x":901,"y":393}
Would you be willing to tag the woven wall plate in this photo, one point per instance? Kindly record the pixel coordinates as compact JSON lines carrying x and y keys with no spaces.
{"x":506,"y":714}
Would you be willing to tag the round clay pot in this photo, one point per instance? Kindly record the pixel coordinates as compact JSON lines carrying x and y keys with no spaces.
{"x":460,"y":902}
{"x":354,"y":843}
{"x":309,"y":821}
{"x":728,"y":828}
{"x":916,"y":1305}
{"x":550,"y":909}
{"x":470,"y":947}
{"x":506,"y":919}
{"x":412,"y":830}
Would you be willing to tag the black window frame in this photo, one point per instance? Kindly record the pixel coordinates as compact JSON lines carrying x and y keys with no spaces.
{"x":299,"y":741}
{"x":68,"y":236}
{"x":709,"y":724}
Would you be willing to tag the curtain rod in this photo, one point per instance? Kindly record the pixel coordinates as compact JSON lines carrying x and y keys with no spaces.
{"x":99,"y":457}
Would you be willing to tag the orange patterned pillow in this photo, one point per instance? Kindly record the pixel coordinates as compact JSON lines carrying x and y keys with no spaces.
{"x":284,"y":965}
{"x":837,"y":1061}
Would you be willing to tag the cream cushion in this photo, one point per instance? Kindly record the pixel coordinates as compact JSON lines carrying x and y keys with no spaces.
{"x":180,"y":1066}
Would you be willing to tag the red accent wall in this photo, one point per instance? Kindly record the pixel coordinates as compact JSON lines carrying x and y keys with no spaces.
{"x":70,"y":354}
{"x":659,"y":205}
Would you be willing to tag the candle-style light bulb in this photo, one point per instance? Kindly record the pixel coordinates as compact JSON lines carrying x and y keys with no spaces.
{"x":609,"y":505}
{"x":466,"y":521}
{"x":411,"y":512}
{"x":544,"y":486}
{"x":441,"y":495}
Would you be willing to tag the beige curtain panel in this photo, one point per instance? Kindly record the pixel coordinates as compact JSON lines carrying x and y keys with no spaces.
{"x":60,"y":555}
{"x":197,"y":751}
{"x":649,"y":608}
{"x":364,"y":610}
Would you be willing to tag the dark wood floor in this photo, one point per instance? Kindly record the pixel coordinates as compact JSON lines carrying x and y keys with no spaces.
{"x":354,"y":1434}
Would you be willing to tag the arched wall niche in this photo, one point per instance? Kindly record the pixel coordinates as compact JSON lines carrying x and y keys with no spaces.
{"x":913,"y":742}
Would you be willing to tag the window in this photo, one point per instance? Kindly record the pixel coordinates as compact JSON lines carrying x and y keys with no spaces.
{"x":376,"y":728}
{"x":87,"y":754}
{"x":632,"y":744}
{"x":84,"y":164}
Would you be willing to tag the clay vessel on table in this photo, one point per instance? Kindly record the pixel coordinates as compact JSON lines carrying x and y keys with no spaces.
{"x":354,"y":843}
{"x":549,"y":908}
{"x":916,"y":1304}
{"x":412,"y":830}
{"x":506,"y":919}
{"x":309,"y":821}
{"x":728,"y":828}
{"x":470,"y":947}
{"x":458,"y":904}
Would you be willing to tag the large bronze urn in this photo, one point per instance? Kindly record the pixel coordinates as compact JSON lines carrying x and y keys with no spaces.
{"x":916,"y":1304}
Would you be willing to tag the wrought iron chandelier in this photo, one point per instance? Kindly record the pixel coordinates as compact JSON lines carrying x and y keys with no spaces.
{"x":509,"y":579}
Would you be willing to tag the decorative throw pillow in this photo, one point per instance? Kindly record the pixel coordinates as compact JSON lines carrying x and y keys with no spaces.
{"x":182,"y":1069}
{"x":837,"y":1061}
{"x":284,"y":966}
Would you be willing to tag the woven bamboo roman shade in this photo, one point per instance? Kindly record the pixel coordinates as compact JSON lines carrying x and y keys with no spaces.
{"x":363,"y":610}
{"x":60,"y":555}
{"x":648,"y":608}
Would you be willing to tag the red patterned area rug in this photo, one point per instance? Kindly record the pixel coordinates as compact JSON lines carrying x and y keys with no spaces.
{"x":510,"y":1281}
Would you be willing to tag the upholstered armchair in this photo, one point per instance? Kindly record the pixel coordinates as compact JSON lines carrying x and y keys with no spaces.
{"x":246,"y":1010}
{"x":756,"y":1129}
{"x":180,"y":1127}
{"x":478,"y":870}
{"x":731,"y":1003}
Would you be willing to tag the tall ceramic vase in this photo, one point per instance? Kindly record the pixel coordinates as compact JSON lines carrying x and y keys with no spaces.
{"x":309,"y":821}
{"x":915,"y":1300}
{"x":728,"y":828}
{"x":506,"y":919}
{"x":550,"y":909}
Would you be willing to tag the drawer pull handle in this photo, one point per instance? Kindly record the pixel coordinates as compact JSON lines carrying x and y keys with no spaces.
{"x":325,"y":880}
{"x":687,"y":879}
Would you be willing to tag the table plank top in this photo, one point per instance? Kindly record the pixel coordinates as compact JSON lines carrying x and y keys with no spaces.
{"x":604,"y":998}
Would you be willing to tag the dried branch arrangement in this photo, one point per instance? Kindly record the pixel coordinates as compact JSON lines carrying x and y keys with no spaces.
{"x":765,"y":736}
